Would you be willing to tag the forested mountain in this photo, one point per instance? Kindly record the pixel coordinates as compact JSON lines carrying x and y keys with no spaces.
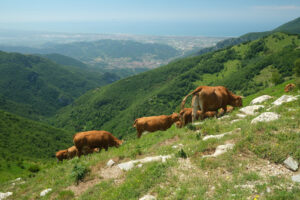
{"x":64,"y":60}
{"x":244,"y":69}
{"x":40,"y":86}
{"x":292,"y":27}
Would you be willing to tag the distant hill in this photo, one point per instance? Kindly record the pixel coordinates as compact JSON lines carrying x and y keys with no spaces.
{"x":292,"y":27}
{"x":108,"y":54}
{"x":244,"y":69}
{"x":38,"y":83}
{"x":64,"y":60}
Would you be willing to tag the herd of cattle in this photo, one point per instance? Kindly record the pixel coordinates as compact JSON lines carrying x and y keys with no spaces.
{"x":207,"y":101}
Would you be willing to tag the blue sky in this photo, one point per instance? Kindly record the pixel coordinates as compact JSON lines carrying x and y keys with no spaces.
{"x":151,"y":17}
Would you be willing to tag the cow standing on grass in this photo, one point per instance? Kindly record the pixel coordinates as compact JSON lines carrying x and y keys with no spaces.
{"x":208,"y":98}
{"x":95,"y":139}
{"x":186,"y":116}
{"x":155,"y":123}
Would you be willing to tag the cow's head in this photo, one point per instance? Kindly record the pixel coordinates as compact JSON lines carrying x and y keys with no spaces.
{"x":175,"y":117}
{"x":119,"y":142}
{"x":238,"y":102}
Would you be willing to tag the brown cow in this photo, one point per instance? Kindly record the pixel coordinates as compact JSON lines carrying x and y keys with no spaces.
{"x":208,"y":98}
{"x":72,"y":152}
{"x":186,"y":116}
{"x":155,"y":123}
{"x":61,"y":155}
{"x":289,"y":87}
{"x":95,"y":139}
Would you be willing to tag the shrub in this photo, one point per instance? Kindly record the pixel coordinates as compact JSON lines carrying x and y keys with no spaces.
{"x":181,"y":154}
{"x":79,"y":172}
{"x":191,"y":127}
{"x":66,"y":195}
{"x":34,"y":168}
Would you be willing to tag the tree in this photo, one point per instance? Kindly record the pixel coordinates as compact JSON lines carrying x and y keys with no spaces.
{"x":276,"y":78}
{"x":297,"y":72}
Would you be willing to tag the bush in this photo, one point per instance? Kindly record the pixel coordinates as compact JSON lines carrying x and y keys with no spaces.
{"x":66,"y":195}
{"x":34,"y":168}
{"x":181,"y":154}
{"x":79,"y":172}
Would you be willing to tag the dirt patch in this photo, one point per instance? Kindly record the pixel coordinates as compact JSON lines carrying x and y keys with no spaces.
{"x":169,"y":141}
{"x":99,"y":172}
{"x":207,"y":151}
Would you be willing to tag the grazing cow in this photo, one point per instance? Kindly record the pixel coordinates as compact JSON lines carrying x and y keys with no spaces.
{"x":289,"y":87}
{"x":186,"y":115}
{"x":95,"y":139}
{"x":208,"y":98}
{"x":221,"y":111}
{"x":155,"y":123}
{"x":61,"y":155}
{"x":72,"y":152}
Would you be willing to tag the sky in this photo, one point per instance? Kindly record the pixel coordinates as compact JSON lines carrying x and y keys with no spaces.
{"x":148,"y":17}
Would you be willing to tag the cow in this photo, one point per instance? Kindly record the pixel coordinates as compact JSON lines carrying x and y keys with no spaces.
{"x":289,"y":87}
{"x":155,"y":123}
{"x":95,"y":139}
{"x":209,"y":98}
{"x":61,"y":155}
{"x":186,"y":116}
{"x":221,"y":111}
{"x":72,"y":152}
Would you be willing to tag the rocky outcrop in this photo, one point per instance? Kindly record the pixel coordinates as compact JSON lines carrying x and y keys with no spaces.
{"x":291,"y":164}
{"x":260,"y":99}
{"x":266,"y":117}
{"x":44,"y":192}
{"x":148,"y":197}
{"x":220,"y":135}
{"x":285,"y":99}
{"x":5,"y":195}
{"x":220,"y":150}
{"x":130,"y":164}
{"x":250,"y":110}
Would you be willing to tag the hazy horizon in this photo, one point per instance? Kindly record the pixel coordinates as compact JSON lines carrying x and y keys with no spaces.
{"x":140,"y":17}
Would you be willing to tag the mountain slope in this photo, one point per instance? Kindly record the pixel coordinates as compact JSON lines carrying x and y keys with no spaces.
{"x":42,"y":84}
{"x":160,"y":91}
{"x":64,"y":60}
{"x":253,"y":168}
{"x":291,"y":27}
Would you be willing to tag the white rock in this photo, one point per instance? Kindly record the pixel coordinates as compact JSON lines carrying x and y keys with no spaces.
{"x":285,"y":99}
{"x":268,"y":190}
{"x":235,"y":120}
{"x":148,"y":197}
{"x":140,"y":165}
{"x":220,"y":150}
{"x":176,"y":146}
{"x":266,"y":117}
{"x":130,"y":164}
{"x":250,"y":110}
{"x":17,"y":179}
{"x":5,"y":195}
{"x":44,"y":192}
{"x":296,"y":178}
{"x":260,"y":99}
{"x":197,"y":123}
{"x":110,"y":163}
{"x":223,"y":117}
{"x":221,"y":135}
{"x":126,"y":166}
{"x":241,"y":115}
{"x":291,"y":164}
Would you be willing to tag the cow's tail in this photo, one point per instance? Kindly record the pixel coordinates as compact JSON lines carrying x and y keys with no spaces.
{"x":198,"y":89}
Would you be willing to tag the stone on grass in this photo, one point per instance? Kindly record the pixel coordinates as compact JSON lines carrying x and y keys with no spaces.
{"x":44,"y":192}
{"x":148,"y":197}
{"x":235,"y":120}
{"x":250,"y":110}
{"x":221,"y":149}
{"x":223,"y":117}
{"x":296,"y":178}
{"x":110,"y":163}
{"x":291,"y":164}
{"x":260,"y":99}
{"x":177,"y":146}
{"x":285,"y":99}
{"x":130,"y":164}
{"x":197,"y":123}
{"x":265,"y":117}
{"x":5,"y":195}
{"x":221,"y":135}
{"x":241,"y":115}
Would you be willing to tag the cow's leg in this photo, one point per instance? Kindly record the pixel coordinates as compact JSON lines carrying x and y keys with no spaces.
{"x":195,"y":106}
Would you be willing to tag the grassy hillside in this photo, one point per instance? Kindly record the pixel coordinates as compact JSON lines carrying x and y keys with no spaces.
{"x":251,"y":170}
{"x":160,"y":91}
{"x":64,"y":60}
{"x":291,"y":27}
{"x":36,"y":82}
{"x":23,"y":141}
